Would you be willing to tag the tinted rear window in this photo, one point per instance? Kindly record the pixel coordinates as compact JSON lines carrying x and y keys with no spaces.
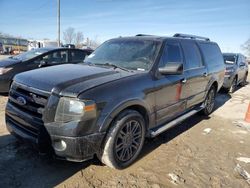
{"x":229,"y":59}
{"x":212,"y":54}
{"x":77,"y":55}
{"x":192,"y":55}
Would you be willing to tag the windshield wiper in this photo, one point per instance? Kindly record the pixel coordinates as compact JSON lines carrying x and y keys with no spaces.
{"x":114,"y":66}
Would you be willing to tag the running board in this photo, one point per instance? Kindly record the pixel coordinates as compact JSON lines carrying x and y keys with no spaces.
{"x":175,"y":121}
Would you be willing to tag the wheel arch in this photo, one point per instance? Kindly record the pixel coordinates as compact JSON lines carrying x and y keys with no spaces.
{"x":136,"y":105}
{"x":215,"y":84}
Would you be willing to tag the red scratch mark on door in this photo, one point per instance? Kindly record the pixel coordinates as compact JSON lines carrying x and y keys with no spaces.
{"x":178,"y":91}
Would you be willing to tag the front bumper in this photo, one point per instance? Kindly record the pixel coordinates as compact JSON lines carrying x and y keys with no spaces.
{"x":75,"y":141}
{"x":71,"y":148}
{"x":4,"y":84}
{"x":228,"y":79}
{"x":77,"y":148}
{"x":68,"y":148}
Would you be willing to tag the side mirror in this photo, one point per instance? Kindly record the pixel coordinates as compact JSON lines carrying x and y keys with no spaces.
{"x":242,"y":64}
{"x":171,"y":68}
{"x":42,"y":63}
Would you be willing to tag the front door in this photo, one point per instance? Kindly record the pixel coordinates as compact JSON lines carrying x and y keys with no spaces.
{"x":57,"y":57}
{"x":169,"y":99}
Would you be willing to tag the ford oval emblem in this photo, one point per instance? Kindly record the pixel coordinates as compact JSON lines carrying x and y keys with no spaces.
{"x":21,"y":101}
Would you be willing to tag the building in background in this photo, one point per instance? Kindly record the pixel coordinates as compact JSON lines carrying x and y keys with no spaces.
{"x":33,"y":44}
{"x":13,"y":45}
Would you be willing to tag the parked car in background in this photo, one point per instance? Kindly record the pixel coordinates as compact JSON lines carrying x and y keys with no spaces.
{"x":69,"y":46}
{"x":41,"y":57}
{"x":1,"y":48}
{"x":128,"y":89}
{"x":236,"y":71}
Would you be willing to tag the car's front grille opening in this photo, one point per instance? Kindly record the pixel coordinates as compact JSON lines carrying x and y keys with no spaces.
{"x":28,"y":129}
{"x":30,"y":103}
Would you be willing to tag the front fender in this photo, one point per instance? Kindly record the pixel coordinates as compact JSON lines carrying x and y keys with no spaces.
{"x":105,"y":120}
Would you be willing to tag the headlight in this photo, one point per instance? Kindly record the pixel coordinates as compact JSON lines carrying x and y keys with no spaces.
{"x":229,"y":71}
{"x":4,"y":70}
{"x":69,"y":109}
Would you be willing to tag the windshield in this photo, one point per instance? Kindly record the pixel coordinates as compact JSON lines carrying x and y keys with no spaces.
{"x":229,"y":59}
{"x":131,"y":54}
{"x":30,"y":54}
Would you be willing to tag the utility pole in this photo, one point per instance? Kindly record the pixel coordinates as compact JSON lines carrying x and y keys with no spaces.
{"x":58,"y":22}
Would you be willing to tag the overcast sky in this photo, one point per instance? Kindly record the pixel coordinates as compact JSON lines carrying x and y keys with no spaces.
{"x":224,"y":21}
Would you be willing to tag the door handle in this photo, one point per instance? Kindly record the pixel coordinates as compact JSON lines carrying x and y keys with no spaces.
{"x":184,"y":80}
{"x":205,"y":74}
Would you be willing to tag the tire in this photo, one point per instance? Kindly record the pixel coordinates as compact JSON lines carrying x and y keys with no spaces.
{"x":233,"y":86}
{"x":209,"y":102}
{"x":124,"y":140}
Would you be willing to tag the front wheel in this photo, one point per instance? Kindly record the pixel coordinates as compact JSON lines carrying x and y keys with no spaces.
{"x":124,"y":140}
{"x":233,"y":86}
{"x":244,"y":82}
{"x":209,"y":102}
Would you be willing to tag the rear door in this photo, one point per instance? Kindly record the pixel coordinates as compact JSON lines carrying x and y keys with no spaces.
{"x":168,"y":97}
{"x":195,"y":73}
{"x":57,"y":57}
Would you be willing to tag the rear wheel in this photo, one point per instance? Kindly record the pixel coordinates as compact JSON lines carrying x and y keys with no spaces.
{"x":124,"y":141}
{"x":209,"y":101}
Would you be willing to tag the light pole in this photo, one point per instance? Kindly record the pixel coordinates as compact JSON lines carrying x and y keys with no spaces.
{"x":58,"y":22}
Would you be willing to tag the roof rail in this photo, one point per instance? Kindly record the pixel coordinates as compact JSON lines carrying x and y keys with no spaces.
{"x":190,"y":36}
{"x":142,"y":35}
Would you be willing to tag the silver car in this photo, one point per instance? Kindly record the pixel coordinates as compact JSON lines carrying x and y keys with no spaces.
{"x":236,"y":71}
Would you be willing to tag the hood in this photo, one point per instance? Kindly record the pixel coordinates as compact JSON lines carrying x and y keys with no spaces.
{"x":8,"y":62}
{"x":69,"y":79}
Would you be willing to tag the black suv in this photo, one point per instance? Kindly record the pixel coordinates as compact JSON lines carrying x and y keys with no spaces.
{"x":128,"y":89}
{"x":236,"y":71}
{"x":34,"y":59}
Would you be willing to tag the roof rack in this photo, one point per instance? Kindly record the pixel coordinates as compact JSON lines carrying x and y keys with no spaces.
{"x":142,"y":35}
{"x":190,"y":36}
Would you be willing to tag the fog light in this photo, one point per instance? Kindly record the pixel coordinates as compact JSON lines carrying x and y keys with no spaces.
{"x":60,"y":145}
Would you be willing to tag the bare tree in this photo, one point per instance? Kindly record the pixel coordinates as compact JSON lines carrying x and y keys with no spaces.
{"x":69,"y":35}
{"x":93,"y":43}
{"x":79,"y":39}
{"x":246,"y":48}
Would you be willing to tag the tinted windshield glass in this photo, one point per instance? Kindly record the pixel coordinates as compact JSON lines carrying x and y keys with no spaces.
{"x":128,"y":53}
{"x":30,"y":54}
{"x":229,"y":59}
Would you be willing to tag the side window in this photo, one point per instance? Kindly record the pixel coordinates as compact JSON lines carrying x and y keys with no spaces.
{"x":212,"y":54}
{"x":77,"y":56}
{"x":192,"y":55}
{"x":56,"y":57}
{"x":242,"y":60}
{"x":171,"y":53}
{"x":239,"y":59}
